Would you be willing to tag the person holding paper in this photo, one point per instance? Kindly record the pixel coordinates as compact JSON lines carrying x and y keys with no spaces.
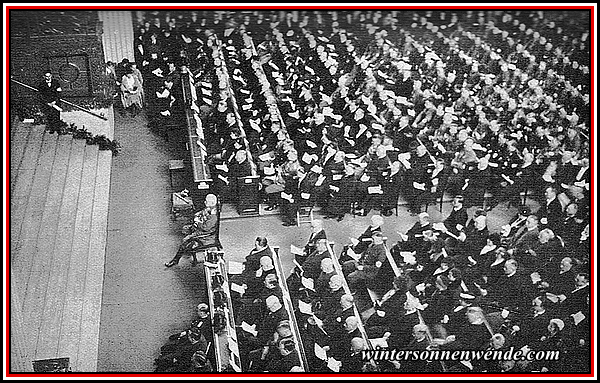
{"x":238,"y":168}
{"x":50,"y":91}
{"x":291,"y":172}
{"x":411,"y":240}
{"x":378,"y":170}
{"x":341,"y":345}
{"x":391,"y":303}
{"x":555,"y":339}
{"x":391,"y":186}
{"x":343,"y":194}
{"x":354,"y":362}
{"x":419,"y":180}
{"x":252,"y":262}
{"x":288,"y":358}
{"x":317,"y":232}
{"x":327,"y":271}
{"x":312,"y":265}
{"x":513,"y":290}
{"x":577,"y":300}
{"x":535,"y":324}
{"x":363,"y":274}
{"x":268,"y":325}
{"x":256,"y":281}
{"x":329,"y":301}
{"x":457,"y":219}
{"x":365,"y":238}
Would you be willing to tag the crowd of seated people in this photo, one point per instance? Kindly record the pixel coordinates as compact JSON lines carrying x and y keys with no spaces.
{"x":348,"y":110}
{"x":266,"y":337}
{"x":453,"y":285}
{"x":189,"y":351}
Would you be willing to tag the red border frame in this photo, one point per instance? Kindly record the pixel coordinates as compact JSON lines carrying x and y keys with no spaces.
{"x":591,"y":8}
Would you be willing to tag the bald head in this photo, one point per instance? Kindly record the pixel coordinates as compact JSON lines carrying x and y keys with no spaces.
{"x":273,"y":303}
{"x":358,"y":344}
{"x":327,"y":265}
{"x":266,"y":263}
{"x":335,"y":282}
{"x":210,"y":200}
{"x":351,"y":324}
{"x":346,"y":301}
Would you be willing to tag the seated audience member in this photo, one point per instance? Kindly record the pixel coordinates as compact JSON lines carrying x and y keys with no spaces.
{"x":252,"y":262}
{"x":363,"y":273}
{"x":203,"y":234}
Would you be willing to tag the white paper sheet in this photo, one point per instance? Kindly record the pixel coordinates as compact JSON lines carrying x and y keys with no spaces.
{"x":320,"y":352}
{"x":235,"y":267}
{"x":250,"y":329}
{"x":296,"y":250}
{"x":305,"y":308}
{"x":308,"y":283}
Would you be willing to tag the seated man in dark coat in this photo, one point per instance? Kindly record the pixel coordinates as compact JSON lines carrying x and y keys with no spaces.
{"x":177,"y":356}
{"x":252,"y":263}
{"x":317,"y":233}
{"x":204,"y":231}
{"x":365,"y":238}
{"x":513,"y":291}
{"x":364,"y":272}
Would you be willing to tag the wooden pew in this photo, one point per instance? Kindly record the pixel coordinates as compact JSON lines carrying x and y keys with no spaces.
{"x":287,"y":303}
{"x":361,"y":327}
{"x":201,"y":181}
{"x":225,"y":342}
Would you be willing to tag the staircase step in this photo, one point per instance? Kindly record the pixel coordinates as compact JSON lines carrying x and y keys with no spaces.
{"x":31,"y":261}
{"x":19,"y":136}
{"x":22,"y":181}
{"x":90,"y":323}
{"x":54,"y":258}
{"x":74,"y":299}
{"x":55,"y":298}
{"x":26,"y":226}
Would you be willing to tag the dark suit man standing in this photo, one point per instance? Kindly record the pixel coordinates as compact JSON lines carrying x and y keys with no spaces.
{"x":50,"y":94}
{"x":551,"y":213}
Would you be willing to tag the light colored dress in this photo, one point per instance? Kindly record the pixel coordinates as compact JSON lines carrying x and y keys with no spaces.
{"x":131,"y":91}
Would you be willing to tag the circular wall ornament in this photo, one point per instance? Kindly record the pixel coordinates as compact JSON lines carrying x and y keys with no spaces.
{"x":69,"y":72}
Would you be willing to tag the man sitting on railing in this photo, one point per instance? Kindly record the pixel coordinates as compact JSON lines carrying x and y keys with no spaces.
{"x":204,"y":231}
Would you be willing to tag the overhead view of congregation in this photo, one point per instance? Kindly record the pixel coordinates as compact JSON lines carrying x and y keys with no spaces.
{"x":345,"y":182}
{"x":348,"y":111}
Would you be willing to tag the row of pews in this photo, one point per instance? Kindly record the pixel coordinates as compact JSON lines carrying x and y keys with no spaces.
{"x":230,"y":330}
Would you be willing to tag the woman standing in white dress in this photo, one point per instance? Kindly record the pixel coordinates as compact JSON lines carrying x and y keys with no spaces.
{"x":131,"y":92}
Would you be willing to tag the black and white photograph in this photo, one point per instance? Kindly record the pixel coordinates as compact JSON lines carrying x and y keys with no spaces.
{"x":299,"y":190}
